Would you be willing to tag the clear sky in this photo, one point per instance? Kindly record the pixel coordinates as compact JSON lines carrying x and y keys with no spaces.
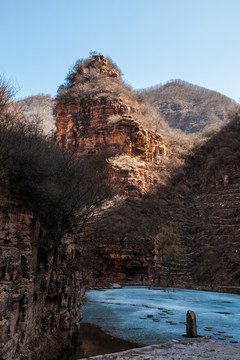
{"x":152,"y":41}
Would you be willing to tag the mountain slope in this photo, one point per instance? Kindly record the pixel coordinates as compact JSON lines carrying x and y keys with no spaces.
{"x":40,"y":108}
{"x":192,"y":223}
{"x":213,"y":175}
{"x":188,"y":107}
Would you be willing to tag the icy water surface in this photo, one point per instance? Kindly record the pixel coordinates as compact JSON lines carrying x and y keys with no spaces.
{"x":149,"y":316}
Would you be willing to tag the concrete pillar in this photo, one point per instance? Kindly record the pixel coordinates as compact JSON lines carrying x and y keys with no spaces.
{"x":191,"y":324}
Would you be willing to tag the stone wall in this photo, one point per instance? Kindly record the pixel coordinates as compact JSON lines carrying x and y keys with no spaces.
{"x":40,"y":293}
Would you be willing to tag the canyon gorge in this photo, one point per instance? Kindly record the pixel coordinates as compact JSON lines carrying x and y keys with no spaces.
{"x":171,"y":207}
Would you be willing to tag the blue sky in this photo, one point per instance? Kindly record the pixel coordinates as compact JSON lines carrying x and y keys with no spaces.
{"x":152,"y":41}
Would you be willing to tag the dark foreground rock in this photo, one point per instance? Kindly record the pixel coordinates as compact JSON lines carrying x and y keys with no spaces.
{"x":41,"y":293}
{"x":189,"y":349}
{"x":191,"y":324}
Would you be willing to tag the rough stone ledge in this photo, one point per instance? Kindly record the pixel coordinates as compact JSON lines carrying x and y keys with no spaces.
{"x":182,"y":349}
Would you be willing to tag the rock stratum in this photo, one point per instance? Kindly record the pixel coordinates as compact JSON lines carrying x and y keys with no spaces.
{"x":105,"y":123}
{"x":40,"y":295}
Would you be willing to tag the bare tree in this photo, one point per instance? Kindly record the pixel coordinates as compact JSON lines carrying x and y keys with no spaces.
{"x":77,"y":204}
{"x":65,"y":192}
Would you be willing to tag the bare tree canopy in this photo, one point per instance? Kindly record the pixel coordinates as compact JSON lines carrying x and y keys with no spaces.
{"x":65,"y":192}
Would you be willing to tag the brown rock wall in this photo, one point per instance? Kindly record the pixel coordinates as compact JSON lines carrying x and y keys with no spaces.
{"x":111,"y":130}
{"x":97,"y":114}
{"x":89,"y":129}
{"x":40,"y":294}
{"x":121,"y":262}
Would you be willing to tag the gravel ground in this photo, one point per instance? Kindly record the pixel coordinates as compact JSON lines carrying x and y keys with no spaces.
{"x":186,"y":349}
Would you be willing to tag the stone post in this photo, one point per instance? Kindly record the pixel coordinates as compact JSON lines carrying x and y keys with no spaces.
{"x":191,"y":324}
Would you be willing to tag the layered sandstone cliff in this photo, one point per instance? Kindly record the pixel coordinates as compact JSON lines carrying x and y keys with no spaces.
{"x":40,"y":293}
{"x":96,"y":114}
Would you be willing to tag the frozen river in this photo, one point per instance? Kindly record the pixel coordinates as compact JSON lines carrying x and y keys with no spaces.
{"x":149,"y":316}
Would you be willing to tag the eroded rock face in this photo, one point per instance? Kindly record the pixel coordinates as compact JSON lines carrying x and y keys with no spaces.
{"x":88,"y":130}
{"x":40,"y":293}
{"x":108,"y":131}
{"x":121,"y":262}
{"x":109,"y":127}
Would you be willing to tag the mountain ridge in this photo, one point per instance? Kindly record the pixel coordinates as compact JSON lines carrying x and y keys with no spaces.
{"x":177,"y":101}
{"x":189,"y":107}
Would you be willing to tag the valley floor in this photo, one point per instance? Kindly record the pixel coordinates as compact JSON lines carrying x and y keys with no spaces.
{"x":186,"y":349}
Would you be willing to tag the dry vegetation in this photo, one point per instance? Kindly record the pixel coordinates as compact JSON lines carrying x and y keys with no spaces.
{"x":97,"y":80}
{"x":63,"y":191}
{"x":188,"y":107}
{"x":218,"y":155}
{"x":89,"y":81}
{"x":126,"y":162}
{"x":40,"y":108}
{"x":168,"y":244}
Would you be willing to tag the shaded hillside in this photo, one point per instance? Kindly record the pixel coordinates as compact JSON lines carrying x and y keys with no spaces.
{"x":217,"y":157}
{"x":40,"y":108}
{"x":188,"y":227}
{"x":212,"y":175}
{"x":162,"y":231}
{"x":188,"y":107}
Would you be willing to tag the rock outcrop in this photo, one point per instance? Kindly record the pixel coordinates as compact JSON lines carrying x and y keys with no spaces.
{"x":101,"y":122}
{"x":99,"y":117}
{"x":121,"y":262}
{"x":40,"y":293}
{"x":198,"y":348}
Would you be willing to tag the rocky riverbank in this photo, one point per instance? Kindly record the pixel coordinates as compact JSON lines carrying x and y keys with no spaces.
{"x":183,"y":349}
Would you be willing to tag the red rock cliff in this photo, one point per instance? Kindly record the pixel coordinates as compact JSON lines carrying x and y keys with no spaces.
{"x":106,"y":123}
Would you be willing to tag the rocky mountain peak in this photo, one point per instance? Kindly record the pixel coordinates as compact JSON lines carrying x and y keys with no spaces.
{"x":97,"y":114}
{"x":101,"y":64}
